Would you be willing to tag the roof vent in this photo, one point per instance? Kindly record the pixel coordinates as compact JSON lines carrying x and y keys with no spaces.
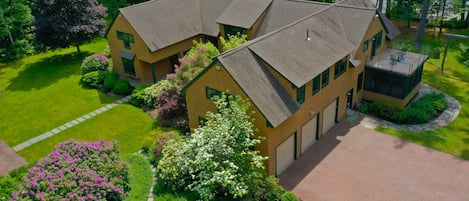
{"x":307,"y":35}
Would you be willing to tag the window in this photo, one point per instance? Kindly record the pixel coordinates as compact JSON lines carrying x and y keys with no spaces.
{"x":232,"y":30}
{"x":126,"y":38}
{"x":360,"y":81}
{"x":325,"y":78}
{"x":316,"y":84}
{"x":365,"y":45}
{"x":340,"y":67}
{"x":378,"y":37}
{"x":300,"y":94}
{"x":210,"y":93}
{"x":268,"y":124}
{"x":129,"y":67}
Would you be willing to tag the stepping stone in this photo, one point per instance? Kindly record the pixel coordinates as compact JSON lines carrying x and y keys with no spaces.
{"x":87,"y":116}
{"x":61,"y":128}
{"x":80,"y":119}
{"x":104,"y":109}
{"x":108,"y":106}
{"x":33,"y":140}
{"x":69,"y":124}
{"x":75,"y":122}
{"x":93,"y":113}
{"x":55,"y":131}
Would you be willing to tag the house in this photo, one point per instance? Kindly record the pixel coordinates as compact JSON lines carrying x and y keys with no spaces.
{"x":305,"y":65}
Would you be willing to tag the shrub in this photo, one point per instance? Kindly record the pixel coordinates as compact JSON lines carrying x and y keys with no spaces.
{"x":289,"y":196}
{"x":140,"y":177}
{"x":93,"y":79}
{"x":233,"y":41}
{"x":110,"y":80}
{"x":95,"y":62}
{"x":464,"y":54}
{"x":122,"y":87}
{"x":151,"y":93}
{"x":77,"y":171}
{"x":147,"y":143}
{"x":172,"y":110}
{"x":137,"y":97}
{"x":9,"y":183}
{"x":160,"y":141}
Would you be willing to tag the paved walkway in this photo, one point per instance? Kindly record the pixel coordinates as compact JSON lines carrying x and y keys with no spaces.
{"x":448,"y":116}
{"x":355,"y":163}
{"x":70,"y":124}
{"x":9,"y":159}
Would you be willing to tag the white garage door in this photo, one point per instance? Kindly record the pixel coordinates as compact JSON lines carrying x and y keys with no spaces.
{"x":308,"y":134}
{"x":329,"y":116}
{"x":285,"y":154}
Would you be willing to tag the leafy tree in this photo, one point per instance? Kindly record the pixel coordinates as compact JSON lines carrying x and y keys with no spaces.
{"x":404,"y":10}
{"x":113,"y":6}
{"x":233,"y":41}
{"x":218,"y":160}
{"x":61,"y":23}
{"x":172,"y":111}
{"x":15,"y":31}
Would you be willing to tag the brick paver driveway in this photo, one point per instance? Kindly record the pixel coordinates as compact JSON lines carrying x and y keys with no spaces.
{"x":355,"y":163}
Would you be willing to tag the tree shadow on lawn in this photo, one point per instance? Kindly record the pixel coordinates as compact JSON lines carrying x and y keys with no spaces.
{"x":47,"y":71}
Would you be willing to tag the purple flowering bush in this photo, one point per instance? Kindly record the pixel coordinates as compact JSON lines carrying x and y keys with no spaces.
{"x":77,"y":171}
{"x":95,"y":62}
{"x":172,"y":112}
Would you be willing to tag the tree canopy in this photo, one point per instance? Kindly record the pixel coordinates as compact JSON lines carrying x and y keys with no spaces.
{"x":15,"y":31}
{"x":61,"y":23}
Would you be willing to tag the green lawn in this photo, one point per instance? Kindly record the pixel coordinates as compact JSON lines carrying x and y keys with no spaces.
{"x":453,"y":139}
{"x":42,"y":92}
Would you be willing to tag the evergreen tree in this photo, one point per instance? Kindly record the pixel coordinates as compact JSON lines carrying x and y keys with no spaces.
{"x":61,"y":23}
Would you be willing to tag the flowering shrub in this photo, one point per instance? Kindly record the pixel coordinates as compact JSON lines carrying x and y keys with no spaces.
{"x":172,"y":110}
{"x":77,"y":171}
{"x":233,"y":41}
{"x":199,"y":57}
{"x":137,"y":96}
{"x":95,"y":62}
{"x":152,"y":92}
{"x":160,"y":141}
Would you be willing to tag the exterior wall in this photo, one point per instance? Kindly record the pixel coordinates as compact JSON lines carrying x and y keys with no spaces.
{"x":372,"y":96}
{"x":143,"y":56}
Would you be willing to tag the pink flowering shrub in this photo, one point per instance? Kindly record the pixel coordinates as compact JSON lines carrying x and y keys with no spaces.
{"x":172,"y":111}
{"x":95,"y":62}
{"x":77,"y":171}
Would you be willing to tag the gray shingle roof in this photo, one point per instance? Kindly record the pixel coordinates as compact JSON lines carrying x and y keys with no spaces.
{"x":392,"y":31}
{"x":210,"y":11}
{"x":259,"y":85}
{"x":358,"y":3}
{"x":243,"y":13}
{"x":279,"y":14}
{"x":298,"y":59}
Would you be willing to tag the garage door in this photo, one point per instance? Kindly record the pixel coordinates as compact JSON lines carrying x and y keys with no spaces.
{"x":330,"y":115}
{"x":285,"y":154}
{"x":308,"y":134}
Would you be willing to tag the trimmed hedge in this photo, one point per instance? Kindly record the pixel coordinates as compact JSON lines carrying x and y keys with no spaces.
{"x":93,"y":79}
{"x":138,"y":95}
{"x":110,"y":80}
{"x":122,"y":87}
{"x":420,"y":111}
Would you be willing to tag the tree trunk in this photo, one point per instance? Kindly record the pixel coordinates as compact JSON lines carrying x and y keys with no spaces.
{"x":442,"y":17}
{"x":463,"y":10}
{"x":422,"y":24}
{"x":388,"y":8}
{"x":78,"y":49}
{"x":380,"y":5}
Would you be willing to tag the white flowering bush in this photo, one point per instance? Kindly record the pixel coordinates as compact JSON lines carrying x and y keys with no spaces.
{"x":218,"y":159}
{"x":151,"y":93}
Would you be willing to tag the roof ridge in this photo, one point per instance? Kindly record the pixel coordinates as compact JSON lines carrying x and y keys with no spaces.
{"x":275,"y":31}
{"x":137,"y":5}
{"x":352,"y":6}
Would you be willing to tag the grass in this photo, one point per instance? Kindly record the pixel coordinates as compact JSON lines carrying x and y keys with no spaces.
{"x":453,"y":139}
{"x":140,"y":177}
{"x":42,"y":92}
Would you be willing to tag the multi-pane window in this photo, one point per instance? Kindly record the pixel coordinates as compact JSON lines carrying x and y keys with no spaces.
{"x":360,"y":81}
{"x":365,"y":45}
{"x":340,"y":67}
{"x":300,"y":94}
{"x":129,"y":67}
{"x":325,"y":78}
{"x":316,"y":84}
{"x":126,"y":38}
{"x":210,"y":92}
{"x":378,"y":38}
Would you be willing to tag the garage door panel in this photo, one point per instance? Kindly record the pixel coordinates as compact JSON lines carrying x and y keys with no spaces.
{"x":285,"y":154}
{"x":329,"y":114}
{"x":308,"y":134}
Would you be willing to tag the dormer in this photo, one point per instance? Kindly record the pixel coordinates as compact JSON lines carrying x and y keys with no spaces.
{"x":242,"y":16}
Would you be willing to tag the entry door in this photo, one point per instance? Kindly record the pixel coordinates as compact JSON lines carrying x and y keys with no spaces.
{"x":309,"y":134}
{"x":350,"y":99}
{"x":329,"y":116}
{"x":285,"y":154}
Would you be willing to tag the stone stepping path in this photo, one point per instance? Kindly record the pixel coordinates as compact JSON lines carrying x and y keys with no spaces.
{"x":448,"y":116}
{"x":70,"y":124}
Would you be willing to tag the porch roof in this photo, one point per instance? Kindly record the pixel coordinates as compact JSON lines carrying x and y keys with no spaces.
{"x":391,"y":60}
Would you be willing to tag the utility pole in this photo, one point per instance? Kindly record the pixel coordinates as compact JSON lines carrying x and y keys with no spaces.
{"x":5,"y":25}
